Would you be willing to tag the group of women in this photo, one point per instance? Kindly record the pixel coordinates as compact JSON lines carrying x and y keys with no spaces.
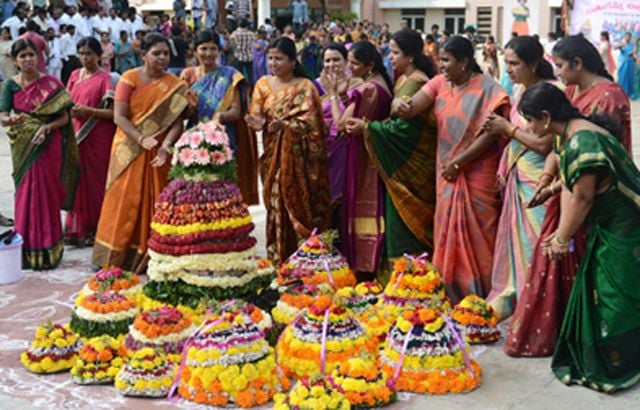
{"x":529,"y":201}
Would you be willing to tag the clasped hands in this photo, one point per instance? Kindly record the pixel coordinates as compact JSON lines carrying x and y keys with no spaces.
{"x":257,"y":122}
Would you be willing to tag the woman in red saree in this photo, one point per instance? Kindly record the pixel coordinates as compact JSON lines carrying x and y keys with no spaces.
{"x":538,"y":315}
{"x":43,"y":155}
{"x":293,"y":167}
{"x":148,"y":109}
{"x":92,"y":93}
{"x":468,"y":201}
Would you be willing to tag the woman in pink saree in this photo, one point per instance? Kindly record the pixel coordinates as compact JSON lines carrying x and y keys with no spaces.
{"x":43,"y":155}
{"x":92,"y":93}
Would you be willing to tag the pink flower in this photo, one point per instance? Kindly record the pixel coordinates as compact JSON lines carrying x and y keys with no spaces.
{"x":183,"y":141}
{"x":218,"y":157}
{"x":201,"y":156}
{"x":185,"y":157}
{"x":214,"y":137}
{"x":228,"y":152}
{"x":196,"y":139}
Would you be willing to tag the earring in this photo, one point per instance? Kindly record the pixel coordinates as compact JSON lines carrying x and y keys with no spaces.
{"x":546,"y":126}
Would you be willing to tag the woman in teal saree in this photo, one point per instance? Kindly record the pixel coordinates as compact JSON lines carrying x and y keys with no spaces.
{"x":599,"y":342}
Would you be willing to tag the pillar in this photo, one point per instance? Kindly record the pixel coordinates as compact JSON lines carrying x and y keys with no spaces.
{"x":264,"y":12}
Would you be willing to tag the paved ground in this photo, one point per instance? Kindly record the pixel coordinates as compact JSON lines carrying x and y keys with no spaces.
{"x":507,"y":383}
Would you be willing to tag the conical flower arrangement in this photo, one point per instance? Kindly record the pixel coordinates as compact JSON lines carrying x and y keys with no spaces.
{"x":103,"y":313}
{"x":148,"y":373}
{"x":476,"y":319}
{"x":229,"y":362}
{"x":424,"y":353}
{"x":317,"y":393}
{"x":364,"y":385}
{"x":98,"y":362}
{"x":112,"y":279}
{"x":53,"y":349}
{"x":324,"y":336}
{"x":201,"y":245}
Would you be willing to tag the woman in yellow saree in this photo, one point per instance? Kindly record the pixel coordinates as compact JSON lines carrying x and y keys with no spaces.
{"x":148,"y":111}
{"x":293,"y":167}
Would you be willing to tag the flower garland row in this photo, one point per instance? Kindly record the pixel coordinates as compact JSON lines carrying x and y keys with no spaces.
{"x":165,"y":229}
{"x":160,"y":264}
{"x":182,"y":191}
{"x":235,"y":245}
{"x":205,"y":236}
{"x":228,"y":209}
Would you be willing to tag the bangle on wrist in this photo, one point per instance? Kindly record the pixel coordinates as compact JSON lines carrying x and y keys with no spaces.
{"x":559,"y":242}
{"x":546,"y":174}
{"x":512,"y":133}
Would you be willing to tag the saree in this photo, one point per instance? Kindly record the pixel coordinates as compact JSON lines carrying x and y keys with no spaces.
{"x":626,"y":70}
{"x":293,"y":166}
{"x":44,"y":175}
{"x":599,"y":342}
{"x":93,"y":137}
{"x":467,"y":210}
{"x":362,"y":216}
{"x":216,"y":91}
{"x":537,"y":318}
{"x":606,"y":98}
{"x":132,"y":184}
{"x":519,"y":226}
{"x":404,"y":153}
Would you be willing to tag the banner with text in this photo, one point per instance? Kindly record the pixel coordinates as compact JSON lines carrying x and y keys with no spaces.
{"x":590,"y":17}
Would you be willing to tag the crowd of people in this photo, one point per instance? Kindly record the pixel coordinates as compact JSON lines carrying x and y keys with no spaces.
{"x":402,"y":145}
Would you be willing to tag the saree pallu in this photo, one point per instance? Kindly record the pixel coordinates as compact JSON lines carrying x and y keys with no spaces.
{"x":468,"y":208}
{"x":626,"y":70}
{"x":216,"y":91}
{"x":94,"y":138}
{"x":45,"y":175}
{"x":404,"y":153}
{"x":293,"y":166}
{"x":537,"y":317}
{"x":606,"y":98}
{"x":362,"y":217}
{"x":132,"y":184}
{"x":519,"y":226}
{"x":599,"y":343}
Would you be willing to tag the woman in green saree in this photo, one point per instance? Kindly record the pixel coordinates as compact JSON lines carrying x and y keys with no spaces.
{"x":599,"y":343}
{"x":404,"y":153}
{"x":44,"y":156}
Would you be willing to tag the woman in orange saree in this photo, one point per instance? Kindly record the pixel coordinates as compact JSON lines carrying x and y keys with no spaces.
{"x":148,"y":111}
{"x":293,"y":166}
{"x":468,"y":202}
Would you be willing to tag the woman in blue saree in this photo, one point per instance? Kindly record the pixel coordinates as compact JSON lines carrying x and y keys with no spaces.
{"x":627,"y":66}
{"x":219,"y":93}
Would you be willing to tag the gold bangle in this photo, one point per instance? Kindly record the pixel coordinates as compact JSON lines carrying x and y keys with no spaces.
{"x":562,"y":244}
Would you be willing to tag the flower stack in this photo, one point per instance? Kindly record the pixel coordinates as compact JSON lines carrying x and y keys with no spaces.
{"x":98,"y":362}
{"x":229,"y":362}
{"x":363,"y":383}
{"x":476,"y":319}
{"x":261,"y":318}
{"x":414,"y":282}
{"x":112,"y":279}
{"x":54,"y":349}
{"x":103,"y":313}
{"x":294,"y":299}
{"x":201,"y":245}
{"x":316,"y":262}
{"x":324,"y":336}
{"x":166,"y":328}
{"x":149,"y":373}
{"x":361,"y":299}
{"x":430,"y":355}
{"x":318,"y":393}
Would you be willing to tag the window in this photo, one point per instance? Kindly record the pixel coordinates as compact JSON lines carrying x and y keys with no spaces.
{"x":484,"y":21}
{"x":415,"y":18}
{"x":454,"y":20}
{"x":556,"y":20}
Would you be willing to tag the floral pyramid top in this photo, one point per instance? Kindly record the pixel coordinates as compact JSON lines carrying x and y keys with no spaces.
{"x":476,"y":319}
{"x":54,"y":348}
{"x":203,"y":153}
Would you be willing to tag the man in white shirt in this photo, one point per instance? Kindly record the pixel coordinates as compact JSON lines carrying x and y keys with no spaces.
{"x":55,"y":20}
{"x":40,"y":18}
{"x":115,"y":25}
{"x":126,"y":23}
{"x":68,"y":51}
{"x":79,"y":20}
{"x":100,"y":23}
{"x":18,"y":20}
{"x":197,"y":6}
{"x":135,"y":19}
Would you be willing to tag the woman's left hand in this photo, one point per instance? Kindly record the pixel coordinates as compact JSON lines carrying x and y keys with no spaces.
{"x":80,"y":110}
{"x":355,"y":126}
{"x":496,"y":125}
{"x":450,"y":171}
{"x":554,"y":250}
{"x":160,"y":159}
{"x":41,"y":134}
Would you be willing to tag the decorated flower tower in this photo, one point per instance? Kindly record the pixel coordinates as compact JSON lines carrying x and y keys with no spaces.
{"x":201,"y":246}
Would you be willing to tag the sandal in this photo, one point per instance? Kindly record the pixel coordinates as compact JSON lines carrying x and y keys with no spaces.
{"x":5,"y":221}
